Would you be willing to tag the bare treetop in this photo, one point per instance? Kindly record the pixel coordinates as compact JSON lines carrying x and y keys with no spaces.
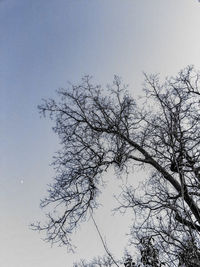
{"x":99,"y":128}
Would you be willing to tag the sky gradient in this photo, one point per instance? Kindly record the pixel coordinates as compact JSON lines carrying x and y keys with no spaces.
{"x":44,"y":44}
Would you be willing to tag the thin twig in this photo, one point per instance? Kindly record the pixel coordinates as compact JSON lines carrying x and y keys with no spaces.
{"x":102,"y":240}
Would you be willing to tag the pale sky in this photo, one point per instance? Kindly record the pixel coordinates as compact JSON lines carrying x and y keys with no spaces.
{"x":43,"y":45}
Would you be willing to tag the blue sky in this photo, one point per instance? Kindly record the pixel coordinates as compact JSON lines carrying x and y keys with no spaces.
{"x":44,"y":44}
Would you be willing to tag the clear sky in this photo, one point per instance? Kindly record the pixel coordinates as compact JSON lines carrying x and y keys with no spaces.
{"x":43,"y":45}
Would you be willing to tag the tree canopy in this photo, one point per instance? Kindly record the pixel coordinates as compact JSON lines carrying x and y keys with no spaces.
{"x":103,"y":128}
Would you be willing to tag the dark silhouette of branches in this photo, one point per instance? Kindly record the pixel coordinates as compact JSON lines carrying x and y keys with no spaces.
{"x":102,"y":128}
{"x":104,"y":261}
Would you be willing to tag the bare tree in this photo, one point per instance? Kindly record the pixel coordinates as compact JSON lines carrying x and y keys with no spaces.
{"x":104,"y":261}
{"x":101,"y":128}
